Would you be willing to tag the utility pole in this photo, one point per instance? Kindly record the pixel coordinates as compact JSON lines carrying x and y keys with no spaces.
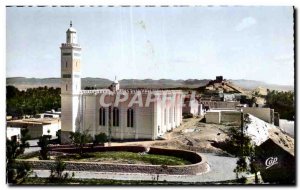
{"x":109,"y":126}
{"x":242,"y":130}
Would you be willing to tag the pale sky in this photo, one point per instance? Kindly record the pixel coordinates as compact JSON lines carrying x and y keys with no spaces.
{"x":253,"y":43}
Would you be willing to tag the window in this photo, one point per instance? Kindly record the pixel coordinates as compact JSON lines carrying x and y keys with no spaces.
{"x":116,"y":117}
{"x":66,"y":75}
{"x":66,"y":87}
{"x":130,"y":117}
{"x":67,"y":54}
{"x":102,"y":116}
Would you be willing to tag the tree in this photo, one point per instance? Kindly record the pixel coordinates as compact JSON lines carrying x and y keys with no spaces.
{"x":282,"y":102}
{"x":24,"y":138}
{"x":44,"y":144}
{"x":240,"y":145}
{"x":15,"y":172}
{"x":101,"y":138}
{"x":57,"y":170}
{"x":80,"y":139}
{"x":31,"y":101}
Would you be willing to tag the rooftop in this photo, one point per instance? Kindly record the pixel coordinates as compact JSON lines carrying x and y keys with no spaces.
{"x":33,"y":121}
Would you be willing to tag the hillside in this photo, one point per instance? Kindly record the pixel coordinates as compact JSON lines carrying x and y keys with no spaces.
{"x":253,"y":84}
{"x":24,"y":83}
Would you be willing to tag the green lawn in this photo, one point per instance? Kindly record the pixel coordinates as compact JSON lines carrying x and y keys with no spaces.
{"x":127,"y":157}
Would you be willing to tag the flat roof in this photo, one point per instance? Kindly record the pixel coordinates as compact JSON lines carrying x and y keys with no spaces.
{"x":33,"y":121}
{"x":222,"y":110}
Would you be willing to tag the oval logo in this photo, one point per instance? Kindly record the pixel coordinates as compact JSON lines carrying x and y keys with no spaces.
{"x":271,"y":161}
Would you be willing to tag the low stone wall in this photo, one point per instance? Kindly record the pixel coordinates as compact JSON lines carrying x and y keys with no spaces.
{"x":199,"y":165}
{"x":230,"y":116}
{"x":213,"y":117}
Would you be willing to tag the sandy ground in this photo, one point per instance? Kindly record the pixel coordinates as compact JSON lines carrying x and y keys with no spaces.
{"x":191,"y":135}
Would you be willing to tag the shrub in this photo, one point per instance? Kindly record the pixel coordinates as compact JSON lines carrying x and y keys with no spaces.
{"x":56,"y":174}
{"x":80,"y":139}
{"x":44,"y":144}
{"x":58,"y":134}
{"x":24,"y":138}
{"x":101,"y":138}
{"x":15,"y":172}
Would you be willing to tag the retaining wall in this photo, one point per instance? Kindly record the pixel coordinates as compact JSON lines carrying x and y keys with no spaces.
{"x":230,"y":116}
{"x":199,"y":165}
{"x":213,"y":117}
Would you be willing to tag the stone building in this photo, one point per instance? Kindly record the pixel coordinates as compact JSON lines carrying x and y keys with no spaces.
{"x":121,"y":114}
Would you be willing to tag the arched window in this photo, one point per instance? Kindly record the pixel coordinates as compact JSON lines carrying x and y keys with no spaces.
{"x":130,"y":117}
{"x":116,"y":117}
{"x":102,"y":116}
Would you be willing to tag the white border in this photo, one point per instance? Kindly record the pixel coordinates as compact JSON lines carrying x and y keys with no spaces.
{"x":4,"y":3}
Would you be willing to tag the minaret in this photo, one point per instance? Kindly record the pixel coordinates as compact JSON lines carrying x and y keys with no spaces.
{"x":115,"y":86}
{"x":70,"y":84}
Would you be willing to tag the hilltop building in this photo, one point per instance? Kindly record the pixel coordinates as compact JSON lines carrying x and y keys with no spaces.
{"x":82,"y":110}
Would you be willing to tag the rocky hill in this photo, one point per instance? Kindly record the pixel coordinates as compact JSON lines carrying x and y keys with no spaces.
{"x":259,"y":131}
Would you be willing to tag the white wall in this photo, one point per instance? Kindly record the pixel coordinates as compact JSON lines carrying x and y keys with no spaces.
{"x":35,"y":131}
{"x":146,"y":119}
{"x":53,"y":128}
{"x":261,"y":113}
{"x":191,"y":107}
{"x":287,"y":126}
{"x":13,"y":131}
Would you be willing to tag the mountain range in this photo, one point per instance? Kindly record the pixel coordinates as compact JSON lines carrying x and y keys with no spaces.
{"x":24,"y":83}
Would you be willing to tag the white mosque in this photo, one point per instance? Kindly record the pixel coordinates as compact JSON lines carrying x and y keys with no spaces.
{"x":122,"y":114}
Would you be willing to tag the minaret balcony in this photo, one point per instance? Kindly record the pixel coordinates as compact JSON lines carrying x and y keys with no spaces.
{"x":69,"y":45}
